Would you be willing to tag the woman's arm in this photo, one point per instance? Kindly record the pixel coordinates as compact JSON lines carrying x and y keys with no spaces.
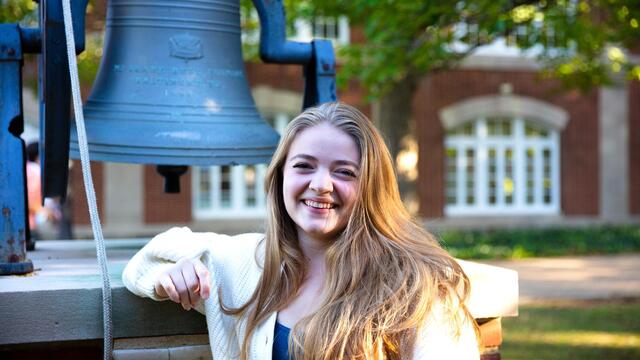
{"x":169,"y":266}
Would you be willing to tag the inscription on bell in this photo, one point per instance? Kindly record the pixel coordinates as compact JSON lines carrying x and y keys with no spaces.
{"x":177,"y":70}
{"x":185,"y":46}
{"x":159,"y":75}
{"x":172,"y":81}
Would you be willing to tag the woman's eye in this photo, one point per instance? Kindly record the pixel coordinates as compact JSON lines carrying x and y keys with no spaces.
{"x":346,"y":172}
{"x":302,"y":166}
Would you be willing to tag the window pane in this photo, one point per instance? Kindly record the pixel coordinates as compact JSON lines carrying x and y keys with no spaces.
{"x":499,"y":126}
{"x":492,"y":175}
{"x":250,"y":185}
{"x":204,"y":197}
{"x":225,"y":186}
{"x":508,"y":184}
{"x":529,"y":173}
{"x":470,"y":170}
{"x":469,"y":128}
{"x":546,"y":171}
{"x":491,"y":127}
{"x":506,"y":127}
{"x":531,"y":130}
{"x":326,"y":27}
{"x":451,"y":175}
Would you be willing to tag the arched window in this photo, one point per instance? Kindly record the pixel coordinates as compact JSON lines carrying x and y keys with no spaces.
{"x":502,"y":164}
{"x":233,"y":191}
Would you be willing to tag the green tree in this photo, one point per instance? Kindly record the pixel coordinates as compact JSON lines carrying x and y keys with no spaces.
{"x":579,"y":42}
{"x":12,"y":11}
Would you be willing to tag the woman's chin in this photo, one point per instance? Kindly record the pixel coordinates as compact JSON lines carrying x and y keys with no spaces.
{"x":319,"y":233}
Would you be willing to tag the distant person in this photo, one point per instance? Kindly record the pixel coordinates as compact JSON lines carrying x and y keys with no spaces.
{"x":342,"y":272}
{"x":34,"y":193}
{"x":39,"y":214}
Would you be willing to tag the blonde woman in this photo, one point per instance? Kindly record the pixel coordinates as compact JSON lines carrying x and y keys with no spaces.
{"x":342,"y":271}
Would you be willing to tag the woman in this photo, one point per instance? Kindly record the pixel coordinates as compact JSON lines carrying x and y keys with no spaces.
{"x":341,"y":273}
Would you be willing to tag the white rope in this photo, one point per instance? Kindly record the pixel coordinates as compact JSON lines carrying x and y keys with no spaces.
{"x":88,"y":181}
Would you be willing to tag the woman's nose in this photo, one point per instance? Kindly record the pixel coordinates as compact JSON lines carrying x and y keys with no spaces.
{"x":321,"y":182}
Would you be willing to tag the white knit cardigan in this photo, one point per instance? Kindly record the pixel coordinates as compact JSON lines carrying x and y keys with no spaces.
{"x":235,"y":269}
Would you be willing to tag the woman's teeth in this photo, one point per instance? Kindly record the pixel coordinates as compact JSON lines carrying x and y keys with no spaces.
{"x":318,"y":205}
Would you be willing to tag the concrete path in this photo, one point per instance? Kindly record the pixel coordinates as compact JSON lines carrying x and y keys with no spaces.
{"x":576,"y":278}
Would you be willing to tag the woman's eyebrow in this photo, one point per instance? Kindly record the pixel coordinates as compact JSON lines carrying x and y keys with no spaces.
{"x":303,"y":157}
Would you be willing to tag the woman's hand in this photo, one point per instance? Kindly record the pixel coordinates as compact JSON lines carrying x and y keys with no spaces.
{"x":187,"y":282}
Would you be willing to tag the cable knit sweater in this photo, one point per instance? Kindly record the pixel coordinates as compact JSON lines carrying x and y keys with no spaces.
{"x":235,"y":267}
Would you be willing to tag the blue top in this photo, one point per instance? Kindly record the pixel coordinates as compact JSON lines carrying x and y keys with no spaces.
{"x":281,"y":342}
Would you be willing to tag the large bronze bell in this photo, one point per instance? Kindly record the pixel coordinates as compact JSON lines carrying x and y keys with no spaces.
{"x":172,"y":88}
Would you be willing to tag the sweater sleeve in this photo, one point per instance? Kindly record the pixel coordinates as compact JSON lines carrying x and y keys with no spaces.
{"x":159,"y":254}
{"x":440,"y":340}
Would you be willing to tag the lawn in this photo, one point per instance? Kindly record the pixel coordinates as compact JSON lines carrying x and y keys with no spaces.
{"x":574,"y":330}
{"x":524,"y":243}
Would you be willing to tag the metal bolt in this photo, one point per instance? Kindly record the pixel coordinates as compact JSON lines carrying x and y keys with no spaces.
{"x":325,"y":66}
{"x":11,"y":51}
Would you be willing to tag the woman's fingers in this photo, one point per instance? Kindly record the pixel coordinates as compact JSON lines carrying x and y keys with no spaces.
{"x":186,"y":283}
{"x":192,"y":283}
{"x":164,"y":288}
{"x":181,"y":287}
{"x":204,"y":279}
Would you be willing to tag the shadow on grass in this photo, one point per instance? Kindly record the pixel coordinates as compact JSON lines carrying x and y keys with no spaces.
{"x":531,"y":350}
{"x":574,"y":330}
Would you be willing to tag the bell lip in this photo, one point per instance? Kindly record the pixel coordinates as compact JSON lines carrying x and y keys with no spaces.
{"x":202,"y":139}
{"x":246,"y":158}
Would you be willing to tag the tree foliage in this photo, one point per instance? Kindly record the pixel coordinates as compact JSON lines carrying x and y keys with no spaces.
{"x":580,"y":42}
{"x":12,"y":11}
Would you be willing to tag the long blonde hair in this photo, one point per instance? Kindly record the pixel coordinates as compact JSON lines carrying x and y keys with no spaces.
{"x":383,"y":271}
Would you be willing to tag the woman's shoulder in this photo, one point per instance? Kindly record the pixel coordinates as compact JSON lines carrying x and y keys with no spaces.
{"x":192,"y":244}
{"x":227,"y":245}
{"x":185,"y":234}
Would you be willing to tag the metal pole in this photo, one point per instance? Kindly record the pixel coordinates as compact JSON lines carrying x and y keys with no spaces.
{"x":13,"y":204}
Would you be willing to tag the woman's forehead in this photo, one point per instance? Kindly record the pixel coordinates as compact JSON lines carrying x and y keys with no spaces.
{"x":324,"y":142}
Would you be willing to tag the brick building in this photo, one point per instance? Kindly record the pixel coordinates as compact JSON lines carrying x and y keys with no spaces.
{"x":497,"y":146}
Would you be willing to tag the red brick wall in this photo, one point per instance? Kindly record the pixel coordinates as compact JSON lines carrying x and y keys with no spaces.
{"x":289,"y":77}
{"x":429,"y":97}
{"x":634,"y":147}
{"x":579,"y":140}
{"x":283,"y":77}
{"x":77,"y":195}
{"x":160,"y":207}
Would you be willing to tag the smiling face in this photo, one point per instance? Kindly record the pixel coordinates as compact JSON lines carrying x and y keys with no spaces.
{"x":320,"y":177}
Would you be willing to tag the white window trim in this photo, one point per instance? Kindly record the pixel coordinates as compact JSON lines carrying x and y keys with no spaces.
{"x":500,"y":46}
{"x":304,"y":31}
{"x":518,"y":142}
{"x":547,"y":115}
{"x":238,"y":208}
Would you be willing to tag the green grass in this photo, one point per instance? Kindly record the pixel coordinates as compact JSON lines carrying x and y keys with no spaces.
{"x":523,"y":243}
{"x":577,"y":330}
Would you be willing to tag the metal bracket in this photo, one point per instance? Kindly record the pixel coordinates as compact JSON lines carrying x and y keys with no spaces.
{"x":317,"y":57}
{"x":320,"y":75}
